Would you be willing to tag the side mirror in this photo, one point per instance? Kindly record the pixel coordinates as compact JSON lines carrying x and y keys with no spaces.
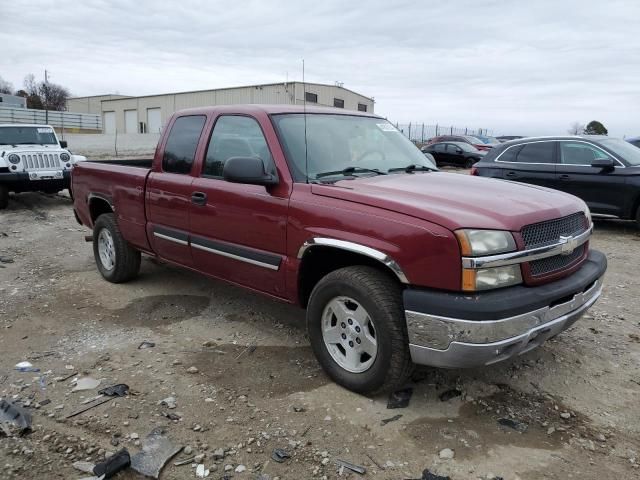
{"x":63,"y":143}
{"x":603,"y":163}
{"x":249,"y":170}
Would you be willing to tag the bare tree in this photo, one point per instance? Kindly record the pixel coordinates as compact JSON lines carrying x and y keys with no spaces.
{"x":5,"y":87}
{"x":576,"y":128}
{"x":45,"y":95}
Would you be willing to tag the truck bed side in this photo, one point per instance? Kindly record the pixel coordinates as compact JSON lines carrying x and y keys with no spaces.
{"x":99,"y":187}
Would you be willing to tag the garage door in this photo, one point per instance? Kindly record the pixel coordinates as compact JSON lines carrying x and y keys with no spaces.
{"x":109,"y":125}
{"x":154,"y":125}
{"x":130,"y":121}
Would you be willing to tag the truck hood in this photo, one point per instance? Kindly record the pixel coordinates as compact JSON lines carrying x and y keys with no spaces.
{"x":456,"y":201}
{"x":8,"y":149}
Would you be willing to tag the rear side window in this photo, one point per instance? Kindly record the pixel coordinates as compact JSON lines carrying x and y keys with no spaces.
{"x":509,"y":154}
{"x":236,"y":136}
{"x":439,"y":147}
{"x":180,"y":150}
{"x":539,"y":152}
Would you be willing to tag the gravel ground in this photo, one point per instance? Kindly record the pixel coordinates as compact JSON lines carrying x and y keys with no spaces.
{"x":245,"y":381}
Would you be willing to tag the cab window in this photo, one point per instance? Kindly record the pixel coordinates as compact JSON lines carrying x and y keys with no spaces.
{"x":180,"y":149}
{"x":236,"y":136}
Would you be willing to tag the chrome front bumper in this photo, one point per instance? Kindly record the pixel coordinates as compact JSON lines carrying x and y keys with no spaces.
{"x":456,"y":343}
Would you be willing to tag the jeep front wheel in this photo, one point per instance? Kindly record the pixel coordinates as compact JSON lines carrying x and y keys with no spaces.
{"x":357,"y":329}
{"x":116,"y":260}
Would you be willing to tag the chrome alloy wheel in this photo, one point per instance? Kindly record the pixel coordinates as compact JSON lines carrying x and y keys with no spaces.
{"x":106,"y":249}
{"x":349,"y":334}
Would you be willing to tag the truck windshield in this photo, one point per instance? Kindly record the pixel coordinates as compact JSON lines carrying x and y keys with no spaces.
{"x":27,"y":136}
{"x":344,"y":145}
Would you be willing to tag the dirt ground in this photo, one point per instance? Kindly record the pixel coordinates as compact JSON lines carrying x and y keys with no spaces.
{"x":258,"y":387}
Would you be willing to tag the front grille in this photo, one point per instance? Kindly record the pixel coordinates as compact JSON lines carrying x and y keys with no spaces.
{"x":548,"y":233}
{"x":40,"y":161}
{"x":555,"y":263}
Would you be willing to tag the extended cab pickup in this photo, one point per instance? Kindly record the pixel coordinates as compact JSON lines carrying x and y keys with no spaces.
{"x":396,"y":263}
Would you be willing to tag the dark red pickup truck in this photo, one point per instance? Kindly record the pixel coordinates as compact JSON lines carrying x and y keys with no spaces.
{"x":396,"y":263}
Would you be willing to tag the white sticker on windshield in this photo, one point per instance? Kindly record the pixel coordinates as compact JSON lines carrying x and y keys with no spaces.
{"x":387,"y":127}
{"x":44,"y":130}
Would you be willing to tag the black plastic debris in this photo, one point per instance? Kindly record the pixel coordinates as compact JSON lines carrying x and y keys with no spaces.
{"x":427,"y":475}
{"x":342,"y":464}
{"x":390,"y":419}
{"x":400,"y":398}
{"x":514,"y":424}
{"x":13,"y":419}
{"x":112,"y":465}
{"x":119,"y":390}
{"x":449,"y":394}
{"x":146,"y":344}
{"x":157,"y":450}
{"x":171,"y":416}
{"x":279,"y":455}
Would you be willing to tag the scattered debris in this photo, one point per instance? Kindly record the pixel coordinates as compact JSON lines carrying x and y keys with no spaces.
{"x":381,"y":467}
{"x":13,"y":418}
{"x":86,"y":467}
{"x":106,"y":394}
{"x":186,"y":461}
{"x":67,"y":377}
{"x":26,"y":367}
{"x":514,"y":424}
{"x":240,"y":469}
{"x":251,"y":348}
{"x":44,"y":402}
{"x":446,"y":454}
{"x":201,"y":472}
{"x":112,"y":465}
{"x":157,"y":450}
{"x":146,"y":344}
{"x":427,"y":475}
{"x":400,"y":398}
{"x":86,"y":383}
{"x":390,"y":419}
{"x":279,"y":455}
{"x":192,"y":370}
{"x":449,"y":394}
{"x":565,"y":415}
{"x":169,"y":402}
{"x":6,"y":260}
{"x":350,"y":466}
{"x":171,"y":416}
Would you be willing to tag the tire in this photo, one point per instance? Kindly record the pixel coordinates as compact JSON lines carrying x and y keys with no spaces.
{"x":123,"y":263}
{"x":4,"y":197}
{"x":381,"y":297}
{"x":637,"y":217}
{"x":468,"y":163}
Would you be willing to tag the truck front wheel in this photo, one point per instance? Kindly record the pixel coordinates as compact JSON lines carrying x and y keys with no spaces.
{"x":357,"y":329}
{"x":4,"y":197}
{"x":117,"y":261}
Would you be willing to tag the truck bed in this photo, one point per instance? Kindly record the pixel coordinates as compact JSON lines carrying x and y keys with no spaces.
{"x":118,"y":182}
{"x":128,"y":162}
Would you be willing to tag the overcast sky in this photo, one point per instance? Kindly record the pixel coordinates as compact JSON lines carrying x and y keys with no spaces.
{"x":516,"y":67}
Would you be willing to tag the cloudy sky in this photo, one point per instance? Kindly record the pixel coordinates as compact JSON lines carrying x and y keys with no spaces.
{"x":516,"y":67}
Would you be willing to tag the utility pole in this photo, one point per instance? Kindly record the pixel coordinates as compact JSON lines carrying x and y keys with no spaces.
{"x":46,"y":98}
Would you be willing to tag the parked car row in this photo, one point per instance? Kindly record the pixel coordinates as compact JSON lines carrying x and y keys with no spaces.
{"x":458,"y":154}
{"x":602,"y":171}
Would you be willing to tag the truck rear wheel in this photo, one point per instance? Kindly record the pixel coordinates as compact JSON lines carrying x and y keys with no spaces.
{"x":357,"y":329}
{"x":117,"y":261}
{"x":4,"y":197}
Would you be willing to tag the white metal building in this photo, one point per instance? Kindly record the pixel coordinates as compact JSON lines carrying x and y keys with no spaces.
{"x":148,"y":114}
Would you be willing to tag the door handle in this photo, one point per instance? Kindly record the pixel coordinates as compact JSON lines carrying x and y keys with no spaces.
{"x":511,"y":174}
{"x":565,"y":178}
{"x":199,"y":198}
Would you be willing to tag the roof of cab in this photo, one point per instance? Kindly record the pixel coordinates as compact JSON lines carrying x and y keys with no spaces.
{"x":273,"y":110}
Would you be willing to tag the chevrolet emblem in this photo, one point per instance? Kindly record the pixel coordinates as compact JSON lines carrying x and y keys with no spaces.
{"x":568,"y":245}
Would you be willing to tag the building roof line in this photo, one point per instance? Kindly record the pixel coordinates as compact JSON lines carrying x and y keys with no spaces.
{"x":218,"y":89}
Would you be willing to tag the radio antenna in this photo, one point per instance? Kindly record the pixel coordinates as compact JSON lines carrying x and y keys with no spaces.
{"x":304,"y":109}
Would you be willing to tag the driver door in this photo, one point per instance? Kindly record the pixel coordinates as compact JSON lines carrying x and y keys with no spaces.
{"x":238,"y":231}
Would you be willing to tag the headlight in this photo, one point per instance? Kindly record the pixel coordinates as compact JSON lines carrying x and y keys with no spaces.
{"x":490,"y":278}
{"x":64,"y":156}
{"x":13,"y":158}
{"x":474,"y":243}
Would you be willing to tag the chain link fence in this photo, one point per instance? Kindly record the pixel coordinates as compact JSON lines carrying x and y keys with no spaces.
{"x":421,"y":132}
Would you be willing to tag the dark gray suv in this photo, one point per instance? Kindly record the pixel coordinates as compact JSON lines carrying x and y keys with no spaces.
{"x":602,"y":171}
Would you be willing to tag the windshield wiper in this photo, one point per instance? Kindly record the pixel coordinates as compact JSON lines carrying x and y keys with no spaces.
{"x":412,"y":168}
{"x":349,"y":171}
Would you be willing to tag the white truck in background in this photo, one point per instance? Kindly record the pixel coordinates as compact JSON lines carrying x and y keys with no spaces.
{"x":33,"y":159}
